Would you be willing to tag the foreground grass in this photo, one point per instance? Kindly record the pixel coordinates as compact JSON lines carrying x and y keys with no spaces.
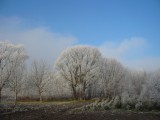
{"x":55,"y":102}
{"x":60,"y":102}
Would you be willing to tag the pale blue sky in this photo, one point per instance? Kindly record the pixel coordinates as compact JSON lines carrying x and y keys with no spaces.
{"x":128,"y":30}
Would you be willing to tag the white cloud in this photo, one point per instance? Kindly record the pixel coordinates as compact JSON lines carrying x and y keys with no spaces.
{"x":148,"y":64}
{"x":130,"y":52}
{"x":118,"y":49}
{"x":40,"y":42}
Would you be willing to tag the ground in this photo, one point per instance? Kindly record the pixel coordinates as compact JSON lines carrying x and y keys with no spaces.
{"x":62,"y":111}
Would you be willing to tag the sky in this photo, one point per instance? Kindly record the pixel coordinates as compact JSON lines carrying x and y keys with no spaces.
{"x":127,"y":30}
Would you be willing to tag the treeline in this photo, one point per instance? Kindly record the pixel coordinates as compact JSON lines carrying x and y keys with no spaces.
{"x":80,"y":72}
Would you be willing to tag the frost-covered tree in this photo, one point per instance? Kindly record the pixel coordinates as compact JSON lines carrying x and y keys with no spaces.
{"x":17,"y":74}
{"x":152,"y":89}
{"x":40,"y":77}
{"x":138,"y":82}
{"x":59,"y":87}
{"x":111,"y":74}
{"x":78,"y":65}
{"x":156,"y":86}
{"x":10,"y":55}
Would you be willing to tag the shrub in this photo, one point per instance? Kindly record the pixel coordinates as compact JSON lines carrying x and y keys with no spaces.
{"x":128,"y":104}
{"x":106,"y":107}
{"x":157,"y":105}
{"x":99,"y":105}
{"x":132,"y":102}
{"x":139,"y":106}
{"x":128,"y":107}
{"x":149,"y":105}
{"x":110,"y":103}
{"x":117,"y":102}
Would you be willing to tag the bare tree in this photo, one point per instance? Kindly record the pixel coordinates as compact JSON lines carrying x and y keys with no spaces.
{"x":138,"y":81}
{"x":17,"y":75}
{"x":111,"y":74}
{"x":152,"y":88}
{"x":78,"y":66}
{"x":39,"y":76}
{"x":59,"y":87}
{"x":9,"y":55}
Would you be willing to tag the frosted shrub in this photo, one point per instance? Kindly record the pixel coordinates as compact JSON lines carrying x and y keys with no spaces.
{"x":110,"y":103}
{"x":95,"y":104}
{"x":94,"y":108}
{"x":84,"y":108}
{"x":117,"y":102}
{"x":99,"y":105}
{"x":124,"y":99}
{"x":128,"y":103}
{"x":128,"y":107}
{"x":88,"y":106}
{"x":103,"y":99}
{"x":139,"y":106}
{"x":106,"y":106}
{"x":132,"y":102}
{"x":149,"y":105}
{"x":157,"y":105}
{"x":102,"y":104}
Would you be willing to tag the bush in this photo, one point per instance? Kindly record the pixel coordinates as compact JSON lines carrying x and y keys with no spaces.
{"x":149,"y":105}
{"x":132,"y":102}
{"x":139,"y":106}
{"x":99,"y":105}
{"x":128,"y":107}
{"x":110,"y":103}
{"x":117,"y":102}
{"x":157,"y":105}
{"x":128,"y":104}
{"x":106,"y":107}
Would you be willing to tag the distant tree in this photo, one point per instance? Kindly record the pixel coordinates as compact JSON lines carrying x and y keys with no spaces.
{"x":40,"y":76}
{"x":135,"y":83}
{"x":9,"y":55}
{"x":138,"y":81}
{"x":17,"y":74}
{"x":153,"y":86}
{"x":60,"y":87}
{"x":78,"y":65}
{"x":111,"y":75}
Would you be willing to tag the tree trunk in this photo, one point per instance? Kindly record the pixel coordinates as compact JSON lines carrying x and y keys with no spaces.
{"x":81,"y":95}
{"x":75,"y":95}
{"x":40,"y":97}
{"x":84,"y":95}
{"x":83,"y":92}
{"x":74,"y":92}
{"x":0,"y":95}
{"x":15,"y":98}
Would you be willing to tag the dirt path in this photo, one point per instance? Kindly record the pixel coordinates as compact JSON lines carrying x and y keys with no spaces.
{"x":59,"y":112}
